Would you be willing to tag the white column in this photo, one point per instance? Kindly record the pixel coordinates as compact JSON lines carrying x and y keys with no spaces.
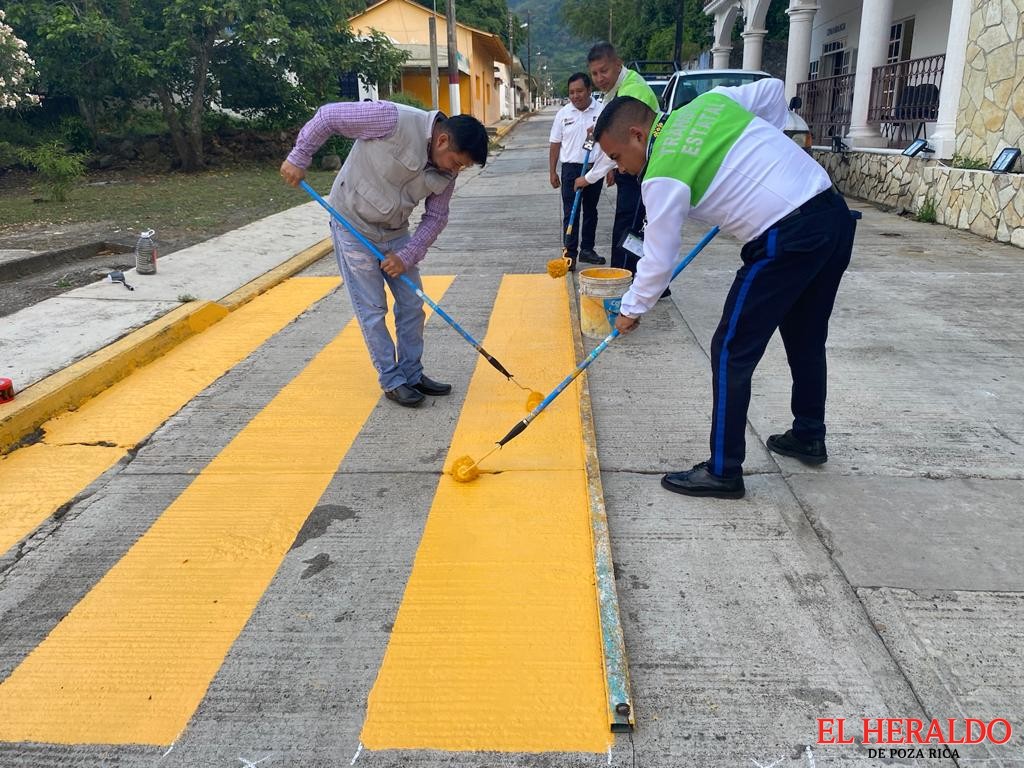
{"x":720,"y":57}
{"x":943,"y":141}
{"x":798,"y":52}
{"x":725,"y":19}
{"x":872,"y":48}
{"x":753,"y":47}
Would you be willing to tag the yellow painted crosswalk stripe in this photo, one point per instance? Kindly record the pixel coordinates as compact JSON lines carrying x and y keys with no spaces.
{"x":81,"y":445}
{"x":496,"y":645}
{"x":132,"y":661}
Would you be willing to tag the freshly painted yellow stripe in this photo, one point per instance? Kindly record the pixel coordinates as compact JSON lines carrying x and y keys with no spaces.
{"x":81,"y":445}
{"x":132,"y":661}
{"x":497,"y":642}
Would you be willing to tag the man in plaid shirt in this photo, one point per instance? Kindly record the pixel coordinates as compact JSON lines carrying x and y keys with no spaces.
{"x":401,"y":156}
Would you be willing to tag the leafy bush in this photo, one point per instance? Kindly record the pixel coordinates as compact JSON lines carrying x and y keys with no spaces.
{"x":408,"y":99}
{"x":9,"y":155}
{"x":336,"y":145}
{"x":132,"y":123}
{"x":75,"y":133}
{"x":926,"y":212}
{"x":58,"y":168}
{"x":970,"y":163}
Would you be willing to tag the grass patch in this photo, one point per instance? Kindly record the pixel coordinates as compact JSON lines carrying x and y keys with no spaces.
{"x":969,"y":163}
{"x":927,"y":211}
{"x":214,"y":200}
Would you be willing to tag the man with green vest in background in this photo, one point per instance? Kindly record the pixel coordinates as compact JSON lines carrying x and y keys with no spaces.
{"x":724,"y":158}
{"x":610,"y":76}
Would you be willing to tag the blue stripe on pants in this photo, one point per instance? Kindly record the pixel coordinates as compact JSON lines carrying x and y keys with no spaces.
{"x":718,"y":455}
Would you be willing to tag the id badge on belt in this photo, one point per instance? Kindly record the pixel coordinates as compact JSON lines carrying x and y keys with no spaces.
{"x":634,"y":243}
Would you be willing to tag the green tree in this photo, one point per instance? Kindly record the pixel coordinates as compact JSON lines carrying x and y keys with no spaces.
{"x":488,"y":15}
{"x":642,"y":29}
{"x":171,"y":51}
{"x":17,"y":70}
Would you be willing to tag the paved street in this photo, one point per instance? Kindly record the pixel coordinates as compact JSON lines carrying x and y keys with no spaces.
{"x":887,"y":583}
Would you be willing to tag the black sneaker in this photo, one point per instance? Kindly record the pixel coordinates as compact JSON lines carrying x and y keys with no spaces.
{"x":808,"y":451}
{"x":700,"y":482}
{"x":405,"y":396}
{"x":430,"y":387}
{"x":590,"y":257}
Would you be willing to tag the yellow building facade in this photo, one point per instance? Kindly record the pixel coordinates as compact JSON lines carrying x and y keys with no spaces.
{"x":406,"y":23}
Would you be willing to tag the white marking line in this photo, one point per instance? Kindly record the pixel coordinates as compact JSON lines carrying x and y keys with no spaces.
{"x":356,"y":755}
{"x":250,"y":764}
{"x":609,"y":755}
{"x":770,"y":765}
{"x":809,"y":755}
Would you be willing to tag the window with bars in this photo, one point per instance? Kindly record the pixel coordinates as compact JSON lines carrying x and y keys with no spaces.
{"x":812,"y":72}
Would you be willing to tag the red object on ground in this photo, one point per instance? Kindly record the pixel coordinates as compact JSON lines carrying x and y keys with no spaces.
{"x":6,"y":390}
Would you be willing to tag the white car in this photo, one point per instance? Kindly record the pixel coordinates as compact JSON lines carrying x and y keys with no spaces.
{"x":686,"y":85}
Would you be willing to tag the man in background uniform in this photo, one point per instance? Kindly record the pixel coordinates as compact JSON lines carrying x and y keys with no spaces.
{"x":610,"y":76}
{"x":570,"y":130}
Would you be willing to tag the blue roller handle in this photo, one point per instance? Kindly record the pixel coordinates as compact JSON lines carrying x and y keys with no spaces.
{"x":426,"y":299}
{"x":518,"y":428}
{"x":587,"y":145}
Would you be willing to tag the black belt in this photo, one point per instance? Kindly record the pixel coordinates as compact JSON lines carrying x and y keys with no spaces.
{"x":816,"y":203}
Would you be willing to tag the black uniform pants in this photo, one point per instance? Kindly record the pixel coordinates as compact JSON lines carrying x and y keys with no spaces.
{"x":629,"y":214}
{"x":585,"y":226}
{"x":789,"y":279}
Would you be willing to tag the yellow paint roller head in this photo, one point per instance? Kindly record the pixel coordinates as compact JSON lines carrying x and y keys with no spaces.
{"x":533,"y":400}
{"x":558,"y":268}
{"x":464,"y":470}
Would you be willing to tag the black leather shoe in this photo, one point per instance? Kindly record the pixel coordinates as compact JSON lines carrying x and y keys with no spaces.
{"x":666,"y":294}
{"x":700,"y":482}
{"x":808,"y":451}
{"x":430,"y":387}
{"x":590,"y":257}
{"x":405,"y":395}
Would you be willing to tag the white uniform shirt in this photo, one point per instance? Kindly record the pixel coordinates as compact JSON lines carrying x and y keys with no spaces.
{"x":763,"y":177}
{"x":570,"y":130}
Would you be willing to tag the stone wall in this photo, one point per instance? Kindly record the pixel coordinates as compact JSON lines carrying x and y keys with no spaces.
{"x":992,"y":99}
{"x":986,"y":203}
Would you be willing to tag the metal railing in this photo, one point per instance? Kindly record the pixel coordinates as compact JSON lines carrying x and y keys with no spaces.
{"x":905,"y":96}
{"x":826,"y":106}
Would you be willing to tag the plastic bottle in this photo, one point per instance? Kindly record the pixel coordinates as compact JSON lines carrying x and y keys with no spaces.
{"x":145,"y":254}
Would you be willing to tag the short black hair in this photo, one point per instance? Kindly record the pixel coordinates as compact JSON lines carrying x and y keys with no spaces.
{"x":580,"y":76}
{"x":601,"y":51}
{"x":621,"y":113}
{"x":467,"y":135}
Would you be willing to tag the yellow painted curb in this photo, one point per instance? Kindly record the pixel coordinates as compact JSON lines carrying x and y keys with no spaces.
{"x":621,"y":717}
{"x":72,"y":386}
{"x":502,"y":132}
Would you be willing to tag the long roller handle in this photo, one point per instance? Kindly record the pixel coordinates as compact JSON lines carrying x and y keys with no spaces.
{"x":587,"y":145}
{"x":519,"y":427}
{"x":423,"y":297}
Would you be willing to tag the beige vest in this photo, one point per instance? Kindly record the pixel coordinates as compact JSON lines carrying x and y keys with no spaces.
{"x":383,"y":180}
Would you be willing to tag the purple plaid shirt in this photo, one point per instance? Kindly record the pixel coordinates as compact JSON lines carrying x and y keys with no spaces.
{"x":372,"y":120}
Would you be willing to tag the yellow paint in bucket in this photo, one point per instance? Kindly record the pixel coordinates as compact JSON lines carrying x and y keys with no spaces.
{"x":601,"y":290}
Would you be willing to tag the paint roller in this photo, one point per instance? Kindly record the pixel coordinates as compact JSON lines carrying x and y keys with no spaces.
{"x":465,"y":470}
{"x":561,"y":266}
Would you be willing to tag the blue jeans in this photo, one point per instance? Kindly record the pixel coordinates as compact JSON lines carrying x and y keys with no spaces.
{"x":365,"y":281}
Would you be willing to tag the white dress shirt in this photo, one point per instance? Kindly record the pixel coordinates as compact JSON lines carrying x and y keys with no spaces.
{"x":570,"y":130}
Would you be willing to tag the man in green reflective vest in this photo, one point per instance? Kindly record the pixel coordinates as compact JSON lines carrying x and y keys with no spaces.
{"x":723,"y":158}
{"x":610,"y":76}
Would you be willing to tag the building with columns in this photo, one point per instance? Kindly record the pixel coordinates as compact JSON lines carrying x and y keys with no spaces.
{"x":876,"y":74}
